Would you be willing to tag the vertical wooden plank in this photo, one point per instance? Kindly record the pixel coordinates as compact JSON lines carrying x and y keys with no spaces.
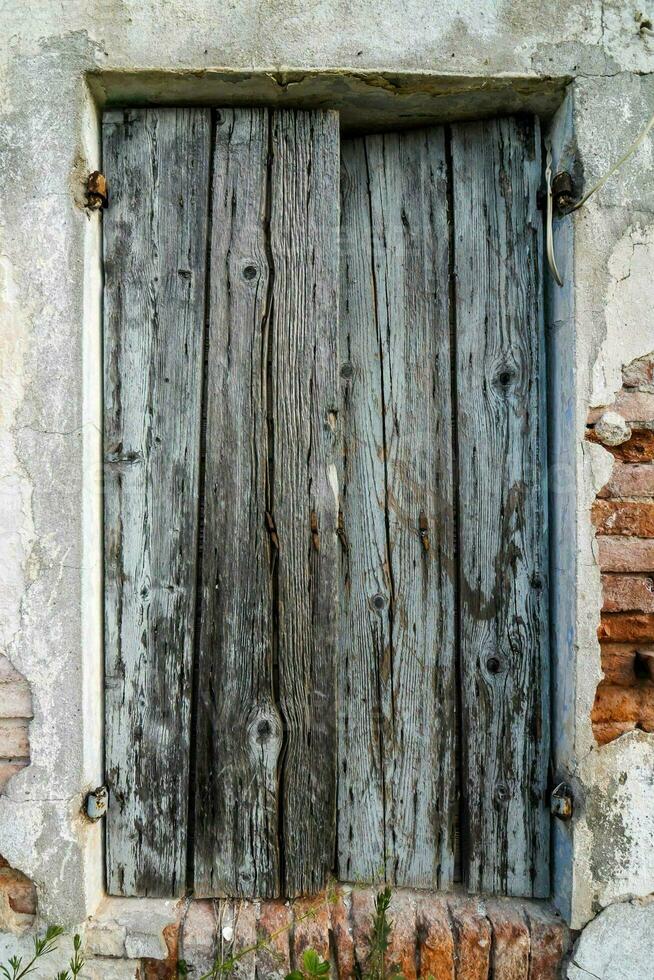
{"x":156,"y":162}
{"x":304,"y":214}
{"x":239,"y":730}
{"x":397,"y":723}
{"x":503,"y":567}
{"x":364,"y":629}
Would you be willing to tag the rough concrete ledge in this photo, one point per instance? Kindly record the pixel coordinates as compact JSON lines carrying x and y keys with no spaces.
{"x":368,"y":100}
{"x":442,"y":936}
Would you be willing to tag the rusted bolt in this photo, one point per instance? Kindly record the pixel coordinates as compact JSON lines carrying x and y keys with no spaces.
{"x":95,"y":804}
{"x":561,"y":802}
{"x":563,"y":191}
{"x":96,"y":191}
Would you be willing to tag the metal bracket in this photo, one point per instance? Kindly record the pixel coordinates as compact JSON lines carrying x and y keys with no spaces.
{"x":561,"y":802}
{"x":95,"y":804}
{"x":96,"y":191}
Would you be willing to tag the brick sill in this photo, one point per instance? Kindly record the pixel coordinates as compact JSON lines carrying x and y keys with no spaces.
{"x":445,"y":936}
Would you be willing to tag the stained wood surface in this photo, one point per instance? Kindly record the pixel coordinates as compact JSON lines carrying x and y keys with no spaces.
{"x":397,"y":702}
{"x":304,"y":221}
{"x":156,"y":163}
{"x":501,"y":459}
{"x":265,"y":802}
{"x":239,"y":730}
{"x":413,"y":485}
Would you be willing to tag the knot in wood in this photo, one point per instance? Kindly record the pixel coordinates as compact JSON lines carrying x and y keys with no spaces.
{"x":502,"y":794}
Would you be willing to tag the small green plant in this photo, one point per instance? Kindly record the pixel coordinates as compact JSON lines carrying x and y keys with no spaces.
{"x":16,"y":969}
{"x":313,"y":967}
{"x":376,"y":968}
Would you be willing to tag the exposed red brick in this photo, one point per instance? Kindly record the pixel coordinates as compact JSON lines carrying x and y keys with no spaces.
{"x":625,"y":517}
{"x":14,"y":738}
{"x":627,"y":627}
{"x":311,"y":928}
{"x":625,"y":554}
{"x":435,"y":939}
{"x":618,"y":663}
{"x":616,"y":704}
{"x":164,"y":969}
{"x":638,"y":449}
{"x":431,"y":936}
{"x":622,"y":593}
{"x":605,"y":732}
{"x":639,"y":373}
{"x":549,"y":942}
{"x":274,"y":929}
{"x":473,"y":941}
{"x":630,"y":480}
{"x":245,"y":937}
{"x":646,"y":721}
{"x":363,"y":907}
{"x":510,"y":947}
{"x":17,"y":890}
{"x":403,"y":942}
{"x":9,"y":769}
{"x":339,"y":914}
{"x":15,"y":697}
{"x":632,"y":405}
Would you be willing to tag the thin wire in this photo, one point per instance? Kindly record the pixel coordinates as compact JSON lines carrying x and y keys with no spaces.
{"x":616,"y":166}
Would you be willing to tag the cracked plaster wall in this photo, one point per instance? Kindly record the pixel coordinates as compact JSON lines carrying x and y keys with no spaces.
{"x":50,"y":586}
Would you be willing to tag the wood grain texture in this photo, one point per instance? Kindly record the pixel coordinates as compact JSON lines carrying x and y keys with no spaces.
{"x":397,"y":704}
{"x":156,"y":162}
{"x":501,"y":457}
{"x":239,"y":731}
{"x":304,"y":220}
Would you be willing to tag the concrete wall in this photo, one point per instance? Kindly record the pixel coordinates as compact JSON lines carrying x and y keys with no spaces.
{"x":584,"y":65}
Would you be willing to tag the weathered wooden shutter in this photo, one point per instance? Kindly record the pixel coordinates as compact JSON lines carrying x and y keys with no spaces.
{"x":261,"y":449}
{"x":261,"y":479}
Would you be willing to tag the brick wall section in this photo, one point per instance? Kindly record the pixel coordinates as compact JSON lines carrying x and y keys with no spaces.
{"x":17,"y":900}
{"x":623,"y":515}
{"x":446,"y":937}
{"x":17,"y":893}
{"x":15,"y":714}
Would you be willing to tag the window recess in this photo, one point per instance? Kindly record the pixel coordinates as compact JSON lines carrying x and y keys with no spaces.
{"x":325,"y":528}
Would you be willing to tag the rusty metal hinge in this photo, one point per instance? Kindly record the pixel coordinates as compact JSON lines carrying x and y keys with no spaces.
{"x":96,"y":191}
{"x":95,"y":804}
{"x":561,"y":802}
